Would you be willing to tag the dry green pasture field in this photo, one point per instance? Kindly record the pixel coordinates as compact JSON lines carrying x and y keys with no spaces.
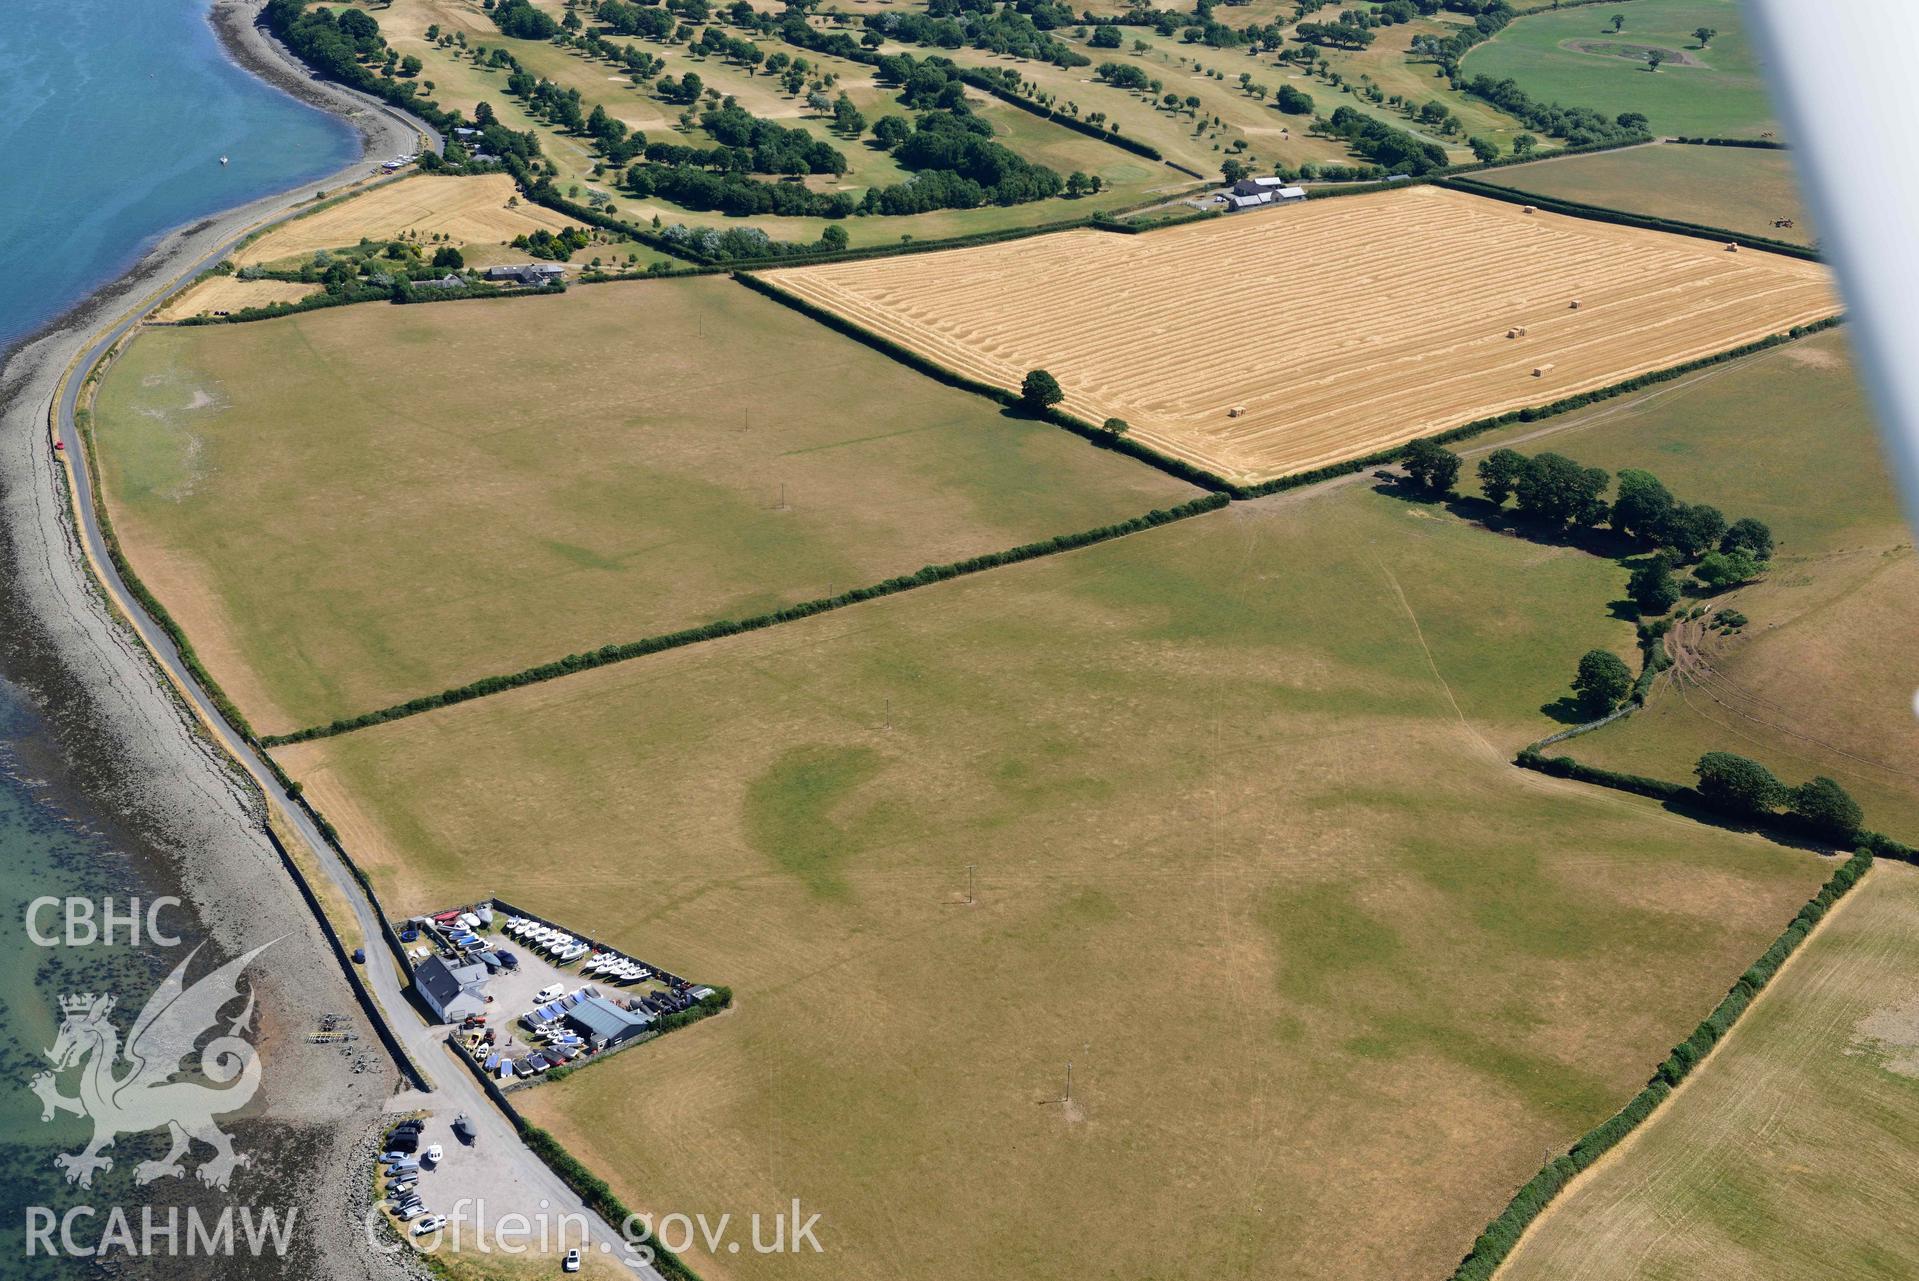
{"x":1821,"y":679}
{"x":1248,"y":852}
{"x":1738,"y":188}
{"x":1793,"y":1155}
{"x":353,"y":507}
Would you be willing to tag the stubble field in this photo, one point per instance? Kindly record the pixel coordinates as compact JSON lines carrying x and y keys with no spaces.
{"x":1331,"y":973}
{"x":1337,"y":328}
{"x":353,"y":507}
{"x":228,"y":293}
{"x":465,"y":210}
{"x":1794,"y":1153}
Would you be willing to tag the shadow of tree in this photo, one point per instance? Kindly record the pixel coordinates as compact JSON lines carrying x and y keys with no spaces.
{"x":1567,"y":710}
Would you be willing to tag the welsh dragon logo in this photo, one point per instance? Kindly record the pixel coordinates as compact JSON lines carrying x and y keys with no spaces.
{"x":131,"y":1089}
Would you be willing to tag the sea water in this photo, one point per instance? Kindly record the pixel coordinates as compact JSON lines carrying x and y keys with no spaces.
{"x":113,"y":117}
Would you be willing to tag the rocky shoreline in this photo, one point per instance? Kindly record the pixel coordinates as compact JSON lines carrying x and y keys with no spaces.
{"x":121,"y":739}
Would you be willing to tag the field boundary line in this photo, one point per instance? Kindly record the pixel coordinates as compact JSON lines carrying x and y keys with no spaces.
{"x":1618,"y":1151}
{"x":905,"y":355}
{"x":721,"y":628}
{"x":1495,"y":1245}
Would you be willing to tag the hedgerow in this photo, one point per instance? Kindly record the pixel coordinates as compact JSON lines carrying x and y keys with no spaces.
{"x":1503,"y":1233}
{"x":733,"y":627}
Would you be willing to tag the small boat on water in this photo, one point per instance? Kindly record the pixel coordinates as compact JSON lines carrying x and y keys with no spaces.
{"x":223,"y":159}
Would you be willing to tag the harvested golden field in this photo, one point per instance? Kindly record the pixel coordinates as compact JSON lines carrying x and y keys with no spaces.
{"x":462,"y":209}
{"x":1794,"y":1152}
{"x":228,"y":293}
{"x":1336,"y":328}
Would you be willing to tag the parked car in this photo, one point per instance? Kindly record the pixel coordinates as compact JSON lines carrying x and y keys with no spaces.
{"x":432,"y":1223}
{"x":572,"y":1261}
{"x":411,"y":1213}
{"x":548,"y":993}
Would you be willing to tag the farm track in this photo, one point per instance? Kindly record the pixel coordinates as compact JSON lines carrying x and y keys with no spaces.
{"x":1331,"y":341}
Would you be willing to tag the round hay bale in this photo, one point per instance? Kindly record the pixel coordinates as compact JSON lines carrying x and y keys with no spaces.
{"x":1731,"y":248}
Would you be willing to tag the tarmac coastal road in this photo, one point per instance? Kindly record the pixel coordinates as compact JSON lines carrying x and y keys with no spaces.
{"x":455,"y":1090}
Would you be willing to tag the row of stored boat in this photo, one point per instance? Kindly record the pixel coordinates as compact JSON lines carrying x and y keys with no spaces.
{"x":564,"y":949}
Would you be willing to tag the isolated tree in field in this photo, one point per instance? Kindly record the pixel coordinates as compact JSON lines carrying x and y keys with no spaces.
{"x":1642,"y":506}
{"x":1618,"y":21}
{"x":449,"y":257}
{"x":1693,"y":529}
{"x":1720,"y":570}
{"x":1738,"y":786}
{"x":1653,"y":58}
{"x":1078,"y":184}
{"x":833,"y":238}
{"x":1602,"y":681}
{"x":1232,"y":171}
{"x":1652,"y":586}
{"x":1432,"y":466}
{"x":847,"y":118}
{"x":1747,"y":534}
{"x":1556,"y":492}
{"x":1116,"y":426}
{"x":1040,"y":391}
{"x":1827,"y":809}
{"x":1523,"y":145}
{"x":1704,"y":35}
{"x":1484,"y":149}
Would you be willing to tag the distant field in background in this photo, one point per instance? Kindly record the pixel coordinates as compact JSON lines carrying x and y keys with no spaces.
{"x":353,"y":507}
{"x":1794,"y":1153}
{"x":465,"y":209}
{"x":1249,"y":853}
{"x":1570,"y":56}
{"x":461,"y":85}
{"x":1339,"y":327}
{"x":1738,"y":188}
{"x":1821,"y":679}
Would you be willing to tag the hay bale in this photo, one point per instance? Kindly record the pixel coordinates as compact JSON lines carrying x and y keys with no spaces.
{"x":1525,"y":209}
{"x":1539,"y":371}
{"x":1731,"y":248}
{"x":1575,"y":304}
{"x":1512,"y":333}
{"x":1236,"y":411}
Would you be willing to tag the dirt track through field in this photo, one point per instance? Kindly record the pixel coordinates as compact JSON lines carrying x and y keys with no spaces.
{"x":1336,"y":327}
